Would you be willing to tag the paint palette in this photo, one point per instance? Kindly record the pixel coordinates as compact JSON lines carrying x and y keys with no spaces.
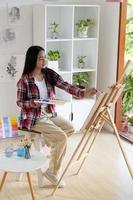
{"x":50,"y":101}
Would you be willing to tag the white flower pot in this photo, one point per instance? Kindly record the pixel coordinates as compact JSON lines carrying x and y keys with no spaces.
{"x":81,"y":65}
{"x":53,"y":65}
{"x":83,"y":34}
{"x":54,"y":35}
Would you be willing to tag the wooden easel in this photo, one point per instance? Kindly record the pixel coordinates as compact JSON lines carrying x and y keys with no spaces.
{"x":99,"y":115}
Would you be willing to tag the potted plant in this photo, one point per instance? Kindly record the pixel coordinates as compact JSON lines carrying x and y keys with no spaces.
{"x":81,"y":79}
{"x":82,"y":27}
{"x":81,"y":61}
{"x":127,"y":97}
{"x":130,"y":124}
{"x":124,"y":123}
{"x":54,"y":30}
{"x":53,"y":58}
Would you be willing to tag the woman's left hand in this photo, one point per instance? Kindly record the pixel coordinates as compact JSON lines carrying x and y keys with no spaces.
{"x":90,"y":92}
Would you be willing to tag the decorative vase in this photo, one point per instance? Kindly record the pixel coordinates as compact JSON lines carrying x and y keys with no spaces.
{"x":21,"y":151}
{"x":84,"y":33}
{"x":81,"y":65}
{"x":27,"y":153}
{"x":53,"y":65}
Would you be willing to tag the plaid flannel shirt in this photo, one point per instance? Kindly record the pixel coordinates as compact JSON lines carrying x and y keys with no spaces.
{"x":27,"y":92}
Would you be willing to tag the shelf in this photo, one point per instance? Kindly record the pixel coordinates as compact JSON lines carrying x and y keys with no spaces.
{"x":76,"y":70}
{"x":64,"y":72}
{"x":86,"y":48}
{"x":70,"y":47}
{"x":90,"y":77}
{"x":58,"y":40}
{"x":80,"y":39}
{"x":65,"y":49}
{"x":81,"y":12}
{"x":73,"y":5}
{"x":59,"y":14}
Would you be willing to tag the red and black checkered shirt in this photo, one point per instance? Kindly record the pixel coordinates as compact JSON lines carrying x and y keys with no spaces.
{"x":27,"y":92}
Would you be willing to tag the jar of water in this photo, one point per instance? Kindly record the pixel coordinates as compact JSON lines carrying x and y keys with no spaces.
{"x":9,"y":150}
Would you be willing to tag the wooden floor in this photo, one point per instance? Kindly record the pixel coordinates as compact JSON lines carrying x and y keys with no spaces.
{"x":103,"y":177}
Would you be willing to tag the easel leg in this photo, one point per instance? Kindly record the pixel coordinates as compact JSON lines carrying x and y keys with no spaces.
{"x":3,"y":180}
{"x":120,"y":144}
{"x":82,"y":150}
{"x":92,"y":142}
{"x":30,"y":185}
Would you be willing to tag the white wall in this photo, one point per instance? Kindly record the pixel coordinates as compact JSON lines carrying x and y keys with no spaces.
{"x":17,"y":48}
{"x":108,"y":43}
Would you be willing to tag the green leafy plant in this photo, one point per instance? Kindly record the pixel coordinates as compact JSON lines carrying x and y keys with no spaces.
{"x":127,"y":98}
{"x":53,"y":27}
{"x":129,"y":30}
{"x":53,"y":55}
{"x":81,"y":59}
{"x":83,"y":23}
{"x":81,"y":78}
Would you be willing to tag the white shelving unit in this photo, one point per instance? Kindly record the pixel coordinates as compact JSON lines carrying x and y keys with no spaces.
{"x":70,"y":46}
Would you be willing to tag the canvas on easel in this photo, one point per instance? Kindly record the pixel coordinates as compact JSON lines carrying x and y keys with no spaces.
{"x":99,"y":115}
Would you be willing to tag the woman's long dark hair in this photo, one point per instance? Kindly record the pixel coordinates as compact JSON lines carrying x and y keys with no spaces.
{"x":31,"y":59}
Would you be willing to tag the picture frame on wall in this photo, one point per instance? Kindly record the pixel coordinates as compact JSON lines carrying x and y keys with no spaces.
{"x":12,"y":32}
{"x":11,"y":67}
{"x":14,"y":13}
{"x":7,"y":35}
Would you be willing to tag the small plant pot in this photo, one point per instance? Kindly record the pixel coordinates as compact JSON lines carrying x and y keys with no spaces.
{"x":53,"y":65}
{"x":54,"y":35}
{"x":123,"y":126}
{"x":83,"y":34}
{"x":81,"y":87}
{"x":130,"y":128}
{"x":81,"y":65}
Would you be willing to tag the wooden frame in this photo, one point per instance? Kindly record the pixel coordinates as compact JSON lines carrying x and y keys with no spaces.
{"x":121,"y":55}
